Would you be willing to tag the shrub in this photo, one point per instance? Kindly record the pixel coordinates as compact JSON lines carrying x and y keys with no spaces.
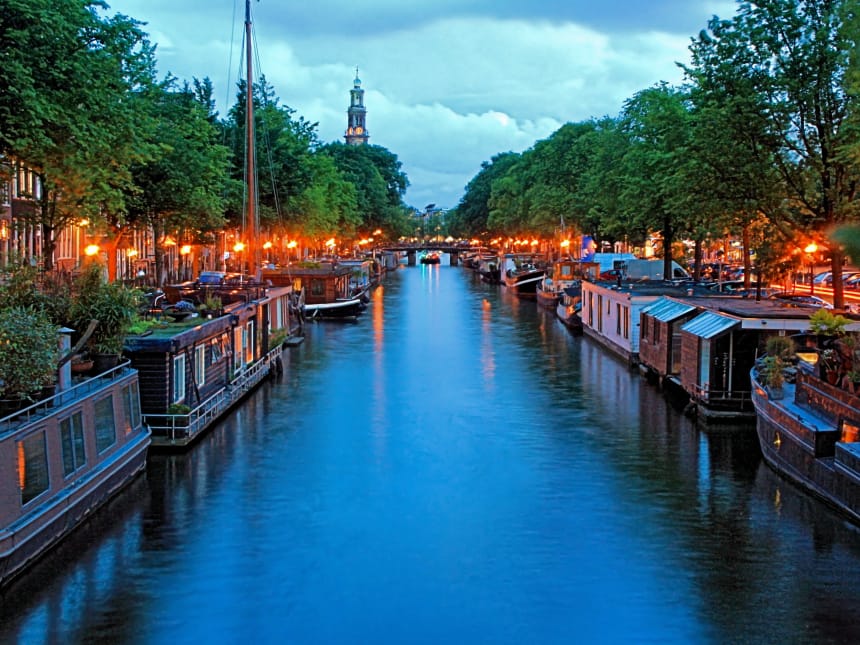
{"x":28,"y":352}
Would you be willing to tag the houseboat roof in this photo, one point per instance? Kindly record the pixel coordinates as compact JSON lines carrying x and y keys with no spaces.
{"x":667,"y":310}
{"x":176,"y":335}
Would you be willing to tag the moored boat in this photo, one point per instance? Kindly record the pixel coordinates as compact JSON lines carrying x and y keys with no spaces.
{"x":193,"y":370}
{"x":569,"y":307}
{"x":808,"y":432}
{"x":327,"y":290}
{"x":63,"y":457}
{"x":522,"y":275}
{"x":430,"y":258}
{"x":562,"y":274}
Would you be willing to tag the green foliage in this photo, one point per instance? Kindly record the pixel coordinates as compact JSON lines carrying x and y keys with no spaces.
{"x":825,"y":323}
{"x":113,"y":304}
{"x":780,"y":346}
{"x":28,"y":351}
{"x":771,"y":371}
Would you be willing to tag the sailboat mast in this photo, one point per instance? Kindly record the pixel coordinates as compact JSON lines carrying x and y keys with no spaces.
{"x":252,"y":248}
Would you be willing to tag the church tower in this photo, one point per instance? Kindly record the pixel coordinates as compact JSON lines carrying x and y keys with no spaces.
{"x":356,"y":130}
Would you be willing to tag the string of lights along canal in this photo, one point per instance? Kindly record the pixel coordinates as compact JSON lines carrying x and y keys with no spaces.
{"x":453,"y":467}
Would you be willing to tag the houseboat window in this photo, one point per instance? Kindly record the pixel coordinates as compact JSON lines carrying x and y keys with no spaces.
{"x":200,"y":365}
{"x":645,"y":322}
{"x":590,"y":309}
{"x":131,"y":407}
{"x":105,"y":424}
{"x":317,"y":287}
{"x":656,"y":332}
{"x":566,"y":271}
{"x":32,"y":467}
{"x":618,"y":318}
{"x":600,"y":313}
{"x":250,"y":338}
{"x":626,"y":322}
{"x":238,"y":348}
{"x":72,"y":441}
{"x":178,"y":378}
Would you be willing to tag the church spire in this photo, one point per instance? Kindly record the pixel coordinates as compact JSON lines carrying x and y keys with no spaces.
{"x":356,"y":129}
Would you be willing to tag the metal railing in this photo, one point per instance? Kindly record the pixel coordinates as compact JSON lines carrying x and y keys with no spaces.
{"x":182,"y":426}
{"x":51,"y":404}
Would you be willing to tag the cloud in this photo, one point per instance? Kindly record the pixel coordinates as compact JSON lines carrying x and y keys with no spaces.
{"x":448,"y":83}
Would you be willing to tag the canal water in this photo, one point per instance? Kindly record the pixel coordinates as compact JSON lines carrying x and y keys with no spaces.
{"x":455,"y":467}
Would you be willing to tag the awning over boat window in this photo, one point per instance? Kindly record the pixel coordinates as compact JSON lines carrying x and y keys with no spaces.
{"x":710,"y":325}
{"x":666,"y":310}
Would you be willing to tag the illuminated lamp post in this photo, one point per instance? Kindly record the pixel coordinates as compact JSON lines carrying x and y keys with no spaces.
{"x":290,"y":246}
{"x":184,"y":250}
{"x":238,"y":247}
{"x":267,"y":246}
{"x":810,"y":251}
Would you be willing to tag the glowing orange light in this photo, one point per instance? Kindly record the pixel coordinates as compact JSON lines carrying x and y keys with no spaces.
{"x":267,"y":245}
{"x":378,"y":231}
{"x":131,"y":252}
{"x":185,"y":249}
{"x":84,"y":222}
{"x":534,"y":242}
{"x":239,"y":247}
{"x":330,"y":243}
{"x":812,"y":248}
{"x":292,"y":245}
{"x":22,"y":465}
{"x":91,"y":249}
{"x":565,"y":244}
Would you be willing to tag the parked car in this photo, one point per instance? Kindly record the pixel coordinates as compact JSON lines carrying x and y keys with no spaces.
{"x":801,"y":300}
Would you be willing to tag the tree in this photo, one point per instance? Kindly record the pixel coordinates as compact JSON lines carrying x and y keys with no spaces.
{"x":470,"y":217}
{"x":796,"y":55}
{"x":70,"y":74}
{"x":180,"y":188}
{"x":653,"y":194}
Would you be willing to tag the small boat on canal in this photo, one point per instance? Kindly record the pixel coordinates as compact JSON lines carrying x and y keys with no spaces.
{"x":569,"y":307}
{"x":809,"y":432}
{"x":563,"y":273}
{"x":63,"y":457}
{"x":431,"y":258}
{"x":521,"y":275}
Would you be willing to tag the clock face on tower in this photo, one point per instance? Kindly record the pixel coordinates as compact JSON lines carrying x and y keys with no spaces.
{"x":359,"y":130}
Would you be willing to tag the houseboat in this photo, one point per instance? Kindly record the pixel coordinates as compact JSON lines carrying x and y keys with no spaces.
{"x":704,"y":347}
{"x":430,"y":258}
{"x":325,"y":286}
{"x":809,"y":434}
{"x":488,"y":266}
{"x":522,"y":273}
{"x":195,"y":369}
{"x":562,"y":274}
{"x":63,"y":457}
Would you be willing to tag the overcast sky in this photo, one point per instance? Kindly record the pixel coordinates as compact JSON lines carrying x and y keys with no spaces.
{"x":448,"y":83}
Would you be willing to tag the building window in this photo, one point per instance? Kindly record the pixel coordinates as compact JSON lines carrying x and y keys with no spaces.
{"x":200,"y":365}
{"x":72,"y":441}
{"x":317,"y":287}
{"x":131,"y":407}
{"x":105,"y":424}
{"x":32,"y":467}
{"x":238,"y":348}
{"x":178,"y":379}
{"x":618,"y":318}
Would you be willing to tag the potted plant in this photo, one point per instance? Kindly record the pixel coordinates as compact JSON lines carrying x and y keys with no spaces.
{"x":115,"y":308}
{"x":825,"y":323}
{"x":28,"y":354}
{"x":181,"y":411}
{"x":771,"y":373}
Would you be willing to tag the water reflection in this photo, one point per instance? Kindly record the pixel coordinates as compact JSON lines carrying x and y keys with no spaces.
{"x":454,"y":467}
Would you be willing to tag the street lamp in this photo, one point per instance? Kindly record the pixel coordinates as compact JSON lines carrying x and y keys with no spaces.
{"x":810,"y":251}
